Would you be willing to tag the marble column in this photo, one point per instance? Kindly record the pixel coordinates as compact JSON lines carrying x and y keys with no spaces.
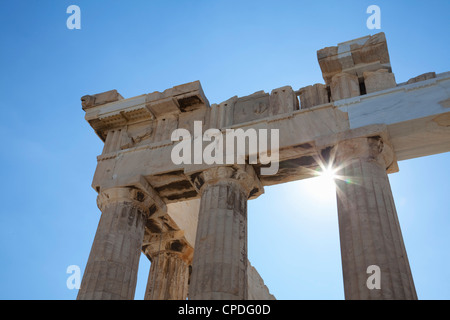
{"x":219,"y":269}
{"x":374,"y":260}
{"x":168,"y":278}
{"x":170,"y":255}
{"x":111,"y":270}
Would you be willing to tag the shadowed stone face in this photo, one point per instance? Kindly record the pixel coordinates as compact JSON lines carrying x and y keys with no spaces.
{"x":87,"y":101}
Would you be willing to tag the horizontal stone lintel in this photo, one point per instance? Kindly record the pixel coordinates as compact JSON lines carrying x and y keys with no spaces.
{"x":415,"y":116}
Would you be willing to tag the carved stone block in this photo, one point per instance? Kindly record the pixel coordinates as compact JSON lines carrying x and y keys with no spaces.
{"x":343,"y":86}
{"x":251,"y":107}
{"x":314,"y":95}
{"x":422,"y":77}
{"x":368,"y":53}
{"x":90,"y":101}
{"x":379,"y":80}
{"x":283,"y":100}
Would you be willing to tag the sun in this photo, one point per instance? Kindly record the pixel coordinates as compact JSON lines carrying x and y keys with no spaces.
{"x":328,"y":173}
{"x":322,"y":185}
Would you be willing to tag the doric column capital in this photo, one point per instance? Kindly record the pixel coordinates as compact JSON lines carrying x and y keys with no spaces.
{"x":171,"y":242}
{"x":129,"y":195}
{"x":368,"y":148}
{"x":244,"y":175}
{"x":168,"y":278}
{"x":139,"y":194}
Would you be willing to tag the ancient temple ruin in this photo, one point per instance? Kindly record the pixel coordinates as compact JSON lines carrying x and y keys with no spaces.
{"x":190,"y":220}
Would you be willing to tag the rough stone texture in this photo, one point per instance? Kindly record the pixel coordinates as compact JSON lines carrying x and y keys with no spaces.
{"x":314,"y":95}
{"x":422,"y":77}
{"x":250,"y":107}
{"x":168,"y":277}
{"x":283,"y":100}
{"x":183,"y":98}
{"x":379,"y":80}
{"x":257,"y":290}
{"x":90,"y":101}
{"x":343,"y":86}
{"x":258,"y":105}
{"x":111,"y":271}
{"x":356,"y":56}
{"x":219,"y":270}
{"x":170,"y":255}
{"x":368,"y":224}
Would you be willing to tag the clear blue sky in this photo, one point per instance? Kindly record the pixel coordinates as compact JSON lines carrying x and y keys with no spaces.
{"x":49,"y":216}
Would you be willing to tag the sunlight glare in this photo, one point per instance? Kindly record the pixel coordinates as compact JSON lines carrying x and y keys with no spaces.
{"x":323,"y":187}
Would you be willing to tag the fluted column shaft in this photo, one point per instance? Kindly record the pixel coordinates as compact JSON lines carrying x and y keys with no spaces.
{"x":369,"y":229}
{"x":168,"y":277}
{"x":219,"y":270}
{"x":111,"y":270}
